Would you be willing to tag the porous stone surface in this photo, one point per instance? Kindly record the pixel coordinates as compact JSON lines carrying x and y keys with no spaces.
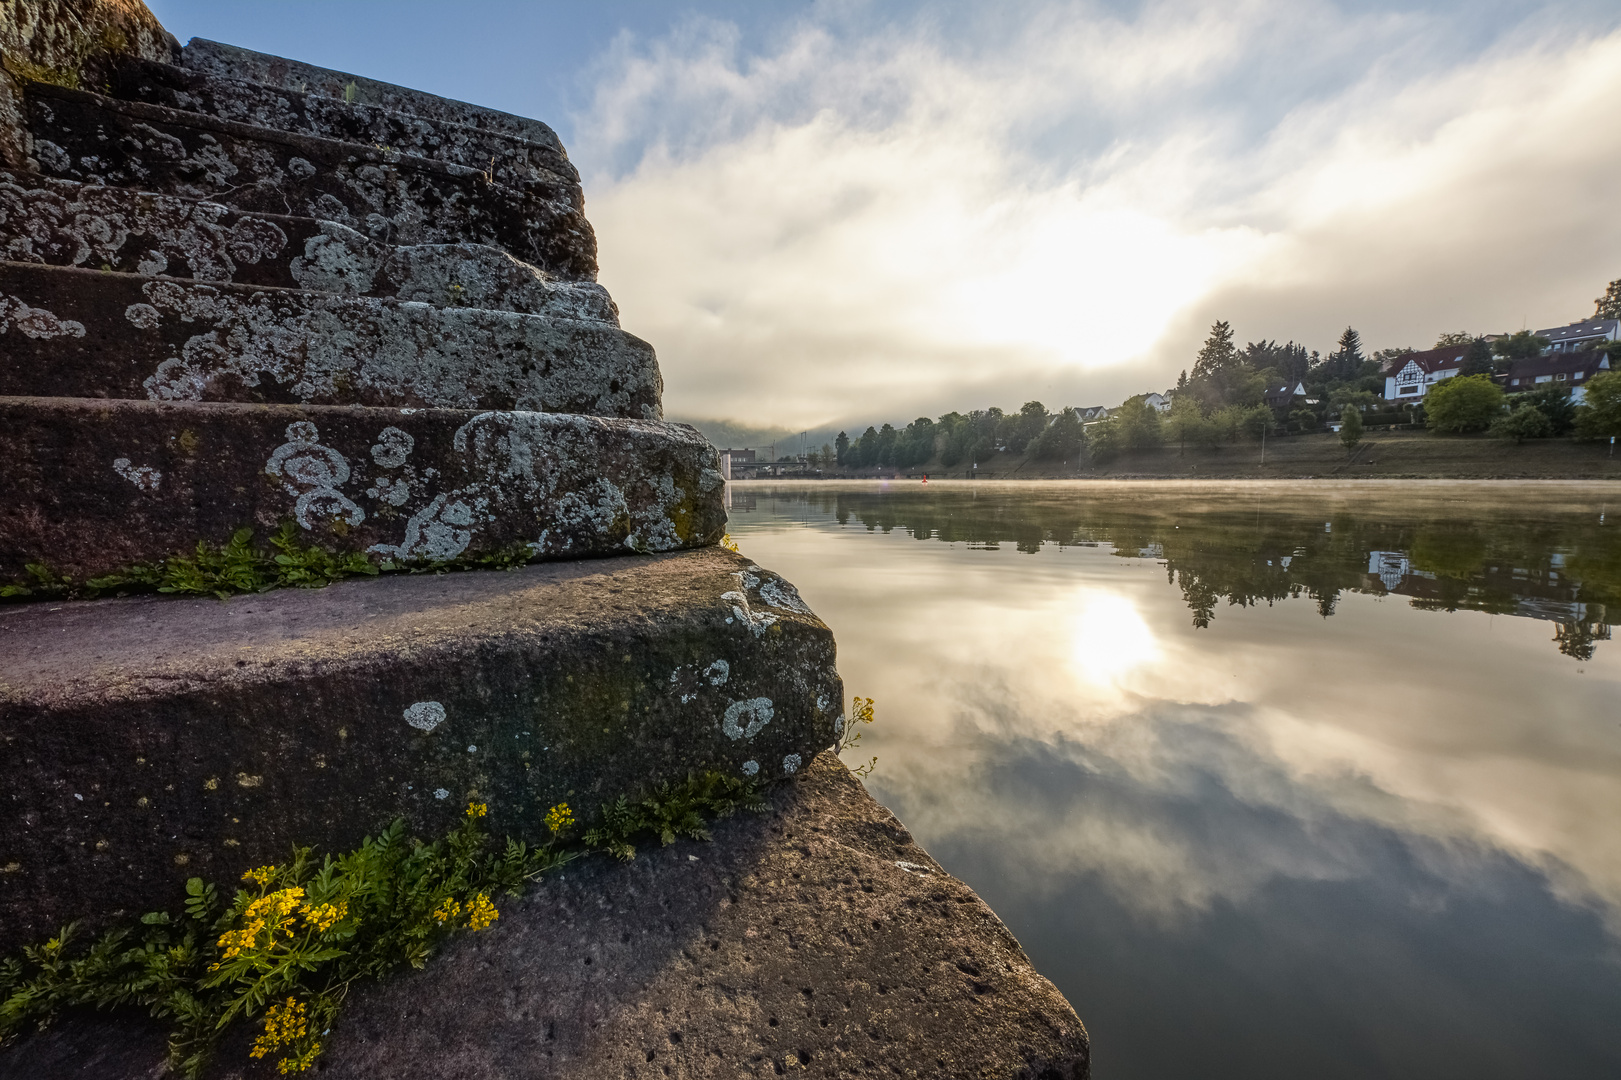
{"x":84,"y":333}
{"x":234,"y":62}
{"x":506,"y":158}
{"x":389,"y":195}
{"x":98,"y":486}
{"x":52,"y":222}
{"x":818,"y":940}
{"x":143,"y":740}
{"x":63,"y":41}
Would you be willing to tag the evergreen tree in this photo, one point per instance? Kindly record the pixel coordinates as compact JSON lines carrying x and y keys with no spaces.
{"x":1344,"y":361}
{"x":1218,"y":356}
{"x":840,"y":446}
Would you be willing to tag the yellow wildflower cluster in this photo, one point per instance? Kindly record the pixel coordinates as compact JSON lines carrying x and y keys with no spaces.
{"x":324,"y":916}
{"x":862,"y":709}
{"x":477,"y":809}
{"x":301,"y":1062}
{"x":260,"y":876}
{"x":447,"y":910}
{"x":267,"y":912}
{"x":559,"y":817}
{"x":284,"y":1023}
{"x":480,"y":912}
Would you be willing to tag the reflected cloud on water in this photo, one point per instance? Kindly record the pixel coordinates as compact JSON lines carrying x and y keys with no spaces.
{"x":1356,"y":724}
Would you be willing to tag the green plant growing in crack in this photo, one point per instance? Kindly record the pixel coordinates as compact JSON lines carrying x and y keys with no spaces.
{"x":861,"y":715}
{"x":287,"y":948}
{"x":241,"y":566}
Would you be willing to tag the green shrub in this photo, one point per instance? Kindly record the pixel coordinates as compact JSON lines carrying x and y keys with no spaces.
{"x":1463,"y":403}
{"x":1526,"y":422}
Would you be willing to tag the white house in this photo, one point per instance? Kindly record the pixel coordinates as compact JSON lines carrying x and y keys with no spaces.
{"x":1157,"y":402}
{"x":1410,"y":377}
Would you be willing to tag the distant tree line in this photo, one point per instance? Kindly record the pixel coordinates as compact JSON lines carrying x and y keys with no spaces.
{"x":1223,"y":399}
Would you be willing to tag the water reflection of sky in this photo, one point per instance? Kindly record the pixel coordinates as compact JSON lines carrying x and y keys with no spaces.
{"x":1378,"y":843}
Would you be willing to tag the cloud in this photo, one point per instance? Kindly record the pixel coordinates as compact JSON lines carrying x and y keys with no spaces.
{"x":872,"y":219}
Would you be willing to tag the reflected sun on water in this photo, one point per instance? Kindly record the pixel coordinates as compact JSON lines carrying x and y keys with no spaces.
{"x":1271,"y":780}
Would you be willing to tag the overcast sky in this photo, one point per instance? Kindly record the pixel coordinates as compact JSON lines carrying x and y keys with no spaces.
{"x":851,"y":212}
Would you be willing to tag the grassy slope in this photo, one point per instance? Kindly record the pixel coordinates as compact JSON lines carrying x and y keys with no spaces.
{"x":1403,"y":454}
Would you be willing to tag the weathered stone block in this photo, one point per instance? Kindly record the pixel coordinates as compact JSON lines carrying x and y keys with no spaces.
{"x":233,"y":62}
{"x":391,"y":196}
{"x":97,"y":486}
{"x":65,"y":223}
{"x":149,"y":739}
{"x":818,"y":941}
{"x":57,"y":40}
{"x":83,"y":333}
{"x":508,"y":159}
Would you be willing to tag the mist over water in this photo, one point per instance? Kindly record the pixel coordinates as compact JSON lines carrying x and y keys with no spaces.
{"x":1272,"y":780}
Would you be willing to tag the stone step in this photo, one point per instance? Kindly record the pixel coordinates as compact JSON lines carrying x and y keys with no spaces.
{"x":66,"y":223}
{"x":93,"y":487}
{"x":390,"y":196}
{"x":823,"y":915}
{"x":232,"y":62}
{"x":508,"y":159}
{"x":149,"y":739}
{"x":85,"y":333}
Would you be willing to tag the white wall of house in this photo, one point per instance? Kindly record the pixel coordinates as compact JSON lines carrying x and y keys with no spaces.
{"x":1412,"y":382}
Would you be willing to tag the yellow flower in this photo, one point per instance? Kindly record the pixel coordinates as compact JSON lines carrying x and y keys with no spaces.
{"x":447,"y":910}
{"x":559,"y":817}
{"x":324,"y":916}
{"x":480,"y":912}
{"x":301,"y":1062}
{"x":477,"y":809}
{"x":260,"y":876}
{"x":284,"y":1023}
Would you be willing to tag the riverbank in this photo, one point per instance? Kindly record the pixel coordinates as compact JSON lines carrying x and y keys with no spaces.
{"x":1395,"y":455}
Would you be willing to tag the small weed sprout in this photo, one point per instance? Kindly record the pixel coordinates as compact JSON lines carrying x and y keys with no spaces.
{"x":861,"y":714}
{"x":287,"y":948}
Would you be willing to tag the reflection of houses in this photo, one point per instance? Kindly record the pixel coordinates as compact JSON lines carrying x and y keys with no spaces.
{"x":1544,"y":593}
{"x":1566,"y":370}
{"x":1389,"y":567}
{"x":1411,"y":375}
{"x":1581,"y":335}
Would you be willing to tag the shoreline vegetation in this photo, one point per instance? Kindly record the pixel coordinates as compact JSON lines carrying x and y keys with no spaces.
{"x":1411,"y":454}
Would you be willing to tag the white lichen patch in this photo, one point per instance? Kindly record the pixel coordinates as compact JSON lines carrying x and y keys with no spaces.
{"x":66,"y":224}
{"x":718,"y":672}
{"x":425,"y":715}
{"x":326,"y":348}
{"x":756,"y":622}
{"x":441,"y":793}
{"x":142,"y":476}
{"x":790,"y":764}
{"x":745,"y":719}
{"x":143,"y":316}
{"x":750,"y":768}
{"x":32,"y":322}
{"x":313,"y":473}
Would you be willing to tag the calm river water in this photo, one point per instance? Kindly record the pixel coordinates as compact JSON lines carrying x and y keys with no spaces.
{"x":1272,"y":780}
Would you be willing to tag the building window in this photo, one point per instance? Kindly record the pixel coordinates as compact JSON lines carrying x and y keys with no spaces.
{"x":1579,"y":374}
{"x":1559,"y":377}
